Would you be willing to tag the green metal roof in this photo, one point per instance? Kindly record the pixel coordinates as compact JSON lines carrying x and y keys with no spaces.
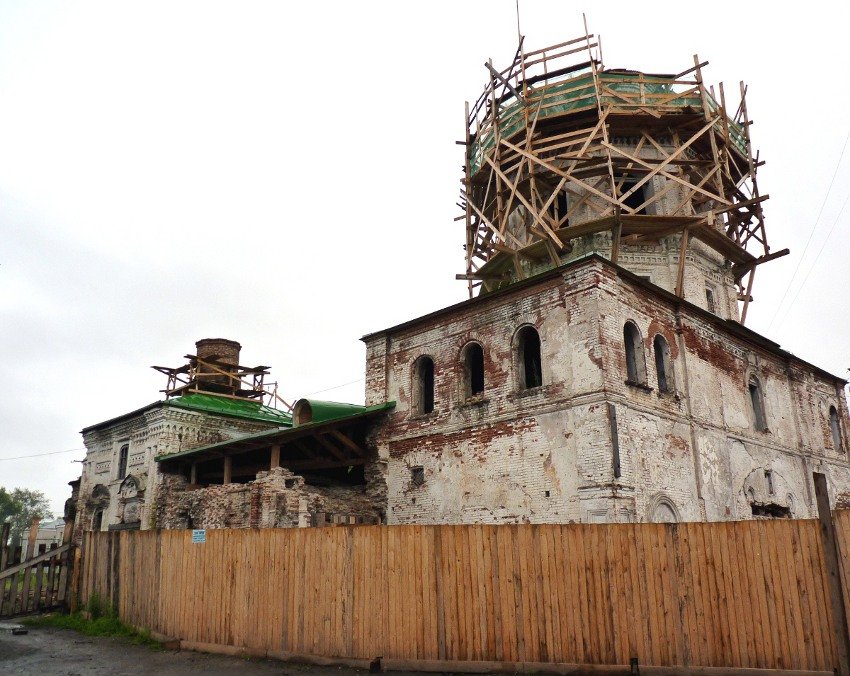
{"x":236,"y":408}
{"x":284,"y":434}
{"x":328,"y":410}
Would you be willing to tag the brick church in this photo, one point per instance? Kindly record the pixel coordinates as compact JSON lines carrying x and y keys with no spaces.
{"x":600,"y":370}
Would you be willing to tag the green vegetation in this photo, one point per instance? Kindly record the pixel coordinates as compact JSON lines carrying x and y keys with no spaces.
{"x":19,"y":507}
{"x":98,"y":619}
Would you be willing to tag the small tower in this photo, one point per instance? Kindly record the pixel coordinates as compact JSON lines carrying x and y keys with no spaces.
{"x":565,"y":158}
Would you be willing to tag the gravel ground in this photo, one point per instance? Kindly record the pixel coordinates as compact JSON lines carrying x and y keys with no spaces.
{"x":59,"y":652}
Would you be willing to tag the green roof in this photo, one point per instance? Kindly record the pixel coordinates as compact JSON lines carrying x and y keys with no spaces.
{"x":320,"y":411}
{"x":283,"y":435}
{"x":236,"y":408}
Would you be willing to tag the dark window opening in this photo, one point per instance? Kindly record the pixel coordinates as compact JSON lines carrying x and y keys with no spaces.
{"x":122,"y":461}
{"x":425,"y":385}
{"x":97,"y":521}
{"x":531,"y":372}
{"x":635,"y":361}
{"x":474,"y":366}
{"x":835,"y":428}
{"x":757,"y":403}
{"x":663,"y":366}
{"x":709,"y":300}
{"x":417,"y":476}
{"x":635,"y":199}
{"x":768,"y":477}
{"x":771,"y":510}
{"x":558,"y":209}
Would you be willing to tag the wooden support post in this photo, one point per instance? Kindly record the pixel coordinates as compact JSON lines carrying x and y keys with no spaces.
{"x":4,"y":542}
{"x":616,"y":232}
{"x":275,"y":459}
{"x":680,"y":274}
{"x":193,"y":474}
{"x":836,"y":595}
{"x":32,"y":537}
{"x":748,"y":296}
{"x":228,"y":469}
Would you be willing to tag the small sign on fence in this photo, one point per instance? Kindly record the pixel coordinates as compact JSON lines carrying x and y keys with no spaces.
{"x":199,"y":536}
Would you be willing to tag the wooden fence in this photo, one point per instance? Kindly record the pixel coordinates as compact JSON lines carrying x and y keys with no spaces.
{"x":34,"y":577}
{"x":732,"y":594}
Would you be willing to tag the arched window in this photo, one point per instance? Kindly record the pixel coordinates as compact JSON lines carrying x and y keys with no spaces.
{"x":473,"y":369}
{"x":122,"y":460}
{"x":528,"y":358}
{"x":423,"y":384}
{"x":757,"y":404}
{"x":635,"y":359}
{"x":663,"y":365}
{"x":835,"y":428}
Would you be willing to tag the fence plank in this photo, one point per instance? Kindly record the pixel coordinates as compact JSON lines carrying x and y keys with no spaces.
{"x":744,"y":594}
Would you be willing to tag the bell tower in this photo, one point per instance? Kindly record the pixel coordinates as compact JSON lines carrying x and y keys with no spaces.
{"x":565,"y":157}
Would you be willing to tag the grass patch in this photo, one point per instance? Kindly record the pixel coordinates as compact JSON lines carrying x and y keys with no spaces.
{"x":106,"y":625}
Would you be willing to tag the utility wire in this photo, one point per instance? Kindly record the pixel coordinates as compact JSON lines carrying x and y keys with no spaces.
{"x":823,"y":246}
{"x":335,"y":387}
{"x":811,"y":234}
{"x":39,"y":455}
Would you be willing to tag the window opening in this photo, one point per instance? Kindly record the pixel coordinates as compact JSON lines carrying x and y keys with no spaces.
{"x":835,"y":428}
{"x":122,"y":460}
{"x":637,"y":198}
{"x":425,"y":384}
{"x":417,"y":475}
{"x":709,"y":300}
{"x":474,"y":366}
{"x":635,"y":362}
{"x":768,"y":477}
{"x":97,"y":521}
{"x":663,"y":366}
{"x":757,"y":403}
{"x":771,"y":510}
{"x":531,"y":373}
{"x":558,"y":208}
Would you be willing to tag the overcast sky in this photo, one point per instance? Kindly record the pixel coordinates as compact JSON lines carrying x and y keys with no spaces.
{"x":285,"y":175}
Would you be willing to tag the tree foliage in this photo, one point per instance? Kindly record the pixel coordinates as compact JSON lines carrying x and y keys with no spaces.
{"x":19,"y":506}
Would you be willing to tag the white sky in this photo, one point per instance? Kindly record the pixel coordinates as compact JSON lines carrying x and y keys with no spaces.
{"x":286,"y":176}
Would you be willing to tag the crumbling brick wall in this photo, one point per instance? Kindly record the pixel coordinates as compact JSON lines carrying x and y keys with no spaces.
{"x":548,"y":454}
{"x":277,"y":498}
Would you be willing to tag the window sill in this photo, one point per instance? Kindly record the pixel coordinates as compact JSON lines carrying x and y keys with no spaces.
{"x":475,"y":400}
{"x":639,"y":386}
{"x":529,"y":391}
{"x":423,"y":416}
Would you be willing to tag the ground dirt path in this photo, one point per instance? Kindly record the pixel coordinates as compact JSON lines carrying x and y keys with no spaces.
{"x":45,"y":651}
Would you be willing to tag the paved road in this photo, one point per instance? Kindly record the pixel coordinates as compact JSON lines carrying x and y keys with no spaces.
{"x":58,"y":652}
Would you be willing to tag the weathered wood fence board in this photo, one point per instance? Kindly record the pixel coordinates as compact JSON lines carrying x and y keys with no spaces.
{"x":39,"y":583}
{"x":733,"y":594}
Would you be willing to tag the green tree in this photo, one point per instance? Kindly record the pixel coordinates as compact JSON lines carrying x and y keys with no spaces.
{"x":19,"y":507}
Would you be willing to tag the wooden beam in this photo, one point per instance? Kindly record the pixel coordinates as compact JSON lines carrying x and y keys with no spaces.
{"x":833,"y":573}
{"x":496,"y":74}
{"x":333,"y":450}
{"x":348,"y":442}
{"x":228,"y":469}
{"x":680,"y":273}
{"x":275,"y":456}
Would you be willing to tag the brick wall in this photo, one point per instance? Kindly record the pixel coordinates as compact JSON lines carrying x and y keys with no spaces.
{"x":547,"y":454}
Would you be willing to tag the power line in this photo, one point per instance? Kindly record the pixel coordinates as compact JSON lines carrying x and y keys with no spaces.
{"x":823,"y":246}
{"x":336,"y":387}
{"x":811,"y":234}
{"x":39,"y":455}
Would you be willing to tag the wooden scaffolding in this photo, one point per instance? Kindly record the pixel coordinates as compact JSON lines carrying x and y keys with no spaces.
{"x":558,"y":147}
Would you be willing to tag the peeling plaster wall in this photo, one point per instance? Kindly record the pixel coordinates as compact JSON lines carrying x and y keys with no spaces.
{"x":546,"y":455}
{"x":152,"y":432}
